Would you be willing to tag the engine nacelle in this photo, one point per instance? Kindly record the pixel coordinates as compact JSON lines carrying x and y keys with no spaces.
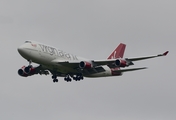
{"x":26,"y":71}
{"x":121,"y":63}
{"x":21,"y":72}
{"x":85,"y":65}
{"x":29,"y":70}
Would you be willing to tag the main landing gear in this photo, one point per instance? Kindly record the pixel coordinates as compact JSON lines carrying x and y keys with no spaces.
{"x":54,"y":77}
{"x":68,"y":78}
{"x":77,"y":77}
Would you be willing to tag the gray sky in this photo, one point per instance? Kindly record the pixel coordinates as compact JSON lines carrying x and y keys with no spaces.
{"x":92,"y":29}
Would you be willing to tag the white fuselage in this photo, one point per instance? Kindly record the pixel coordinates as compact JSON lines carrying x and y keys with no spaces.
{"x":45,"y":55}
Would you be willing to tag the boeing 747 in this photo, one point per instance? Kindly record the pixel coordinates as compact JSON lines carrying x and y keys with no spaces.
{"x":61,"y":64}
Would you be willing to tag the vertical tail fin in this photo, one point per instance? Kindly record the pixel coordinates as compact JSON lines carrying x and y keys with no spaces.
{"x":118,"y":52}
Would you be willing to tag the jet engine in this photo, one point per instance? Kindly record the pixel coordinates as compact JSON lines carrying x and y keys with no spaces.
{"x":29,"y":70}
{"x":121,"y":63}
{"x":85,"y":65}
{"x":21,"y":72}
{"x":26,"y":71}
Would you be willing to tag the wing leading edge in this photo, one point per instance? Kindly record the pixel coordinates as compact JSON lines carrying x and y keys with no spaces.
{"x":148,"y":57}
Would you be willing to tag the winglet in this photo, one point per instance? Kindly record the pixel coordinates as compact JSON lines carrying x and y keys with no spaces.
{"x":165,"y":53}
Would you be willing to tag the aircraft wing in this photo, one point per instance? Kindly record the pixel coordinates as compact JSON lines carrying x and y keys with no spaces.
{"x":109,"y":62}
{"x":75,"y":64}
{"x":104,"y":62}
{"x":67,"y":63}
{"x":148,"y":57}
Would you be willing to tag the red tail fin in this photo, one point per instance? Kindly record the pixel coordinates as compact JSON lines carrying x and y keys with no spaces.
{"x":118,"y":52}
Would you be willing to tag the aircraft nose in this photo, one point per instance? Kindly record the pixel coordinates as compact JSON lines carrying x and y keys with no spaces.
{"x":22,"y":50}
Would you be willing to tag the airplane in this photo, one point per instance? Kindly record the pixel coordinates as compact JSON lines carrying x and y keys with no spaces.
{"x":61,"y":64}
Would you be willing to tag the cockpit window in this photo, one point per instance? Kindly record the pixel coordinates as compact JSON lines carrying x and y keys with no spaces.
{"x":27,"y":41}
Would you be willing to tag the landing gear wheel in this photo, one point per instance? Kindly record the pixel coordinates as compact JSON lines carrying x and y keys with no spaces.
{"x":78,"y":77}
{"x":55,"y":80}
{"x":81,"y":77}
{"x":67,"y":78}
{"x":54,"y":77}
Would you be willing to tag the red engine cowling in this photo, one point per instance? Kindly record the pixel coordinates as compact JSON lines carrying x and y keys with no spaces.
{"x":29,"y":70}
{"x":26,"y":71}
{"x":121,"y":63}
{"x":21,"y":72}
{"x":85,"y":65}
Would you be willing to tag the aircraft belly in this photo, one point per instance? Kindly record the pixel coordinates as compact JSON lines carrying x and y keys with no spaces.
{"x":66,"y":70}
{"x":60,"y":68}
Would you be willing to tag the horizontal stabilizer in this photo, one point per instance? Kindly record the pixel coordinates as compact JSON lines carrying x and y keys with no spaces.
{"x":132,"y":69}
